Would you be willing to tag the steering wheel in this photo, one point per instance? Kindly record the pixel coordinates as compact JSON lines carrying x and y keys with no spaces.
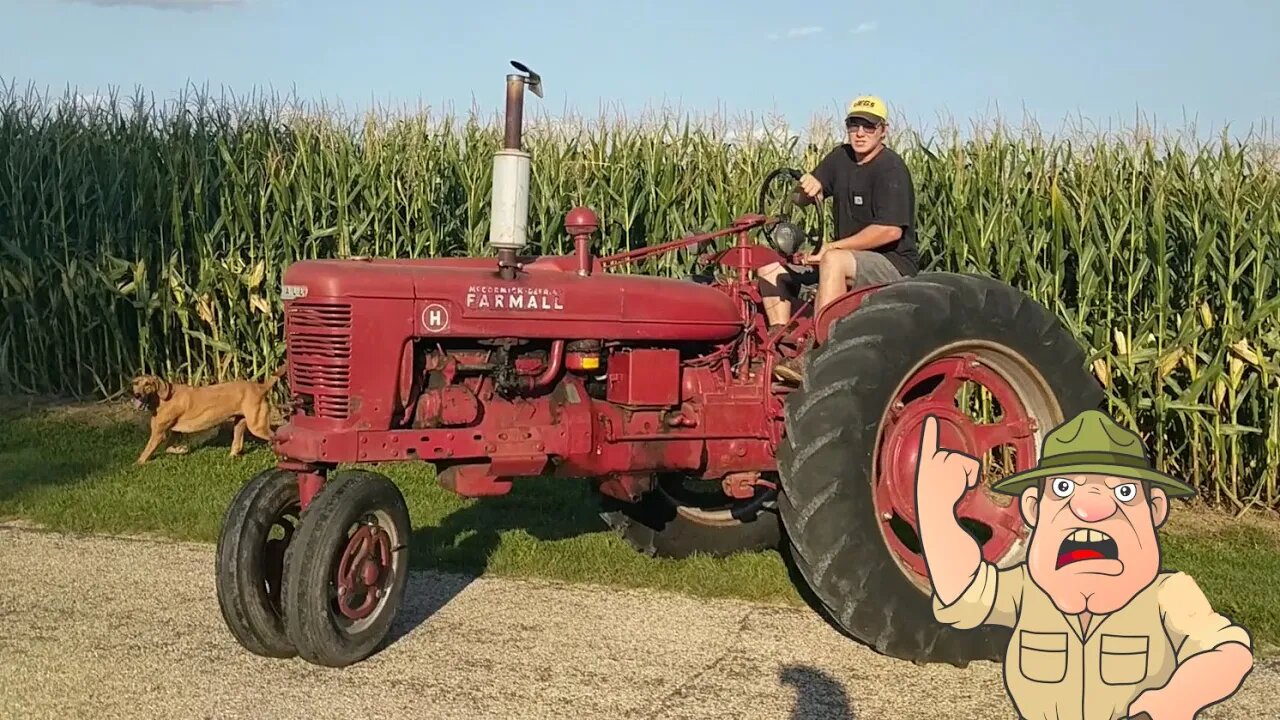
{"x":786,"y":236}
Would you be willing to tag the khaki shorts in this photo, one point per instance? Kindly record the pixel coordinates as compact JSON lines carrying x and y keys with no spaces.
{"x":873,"y":268}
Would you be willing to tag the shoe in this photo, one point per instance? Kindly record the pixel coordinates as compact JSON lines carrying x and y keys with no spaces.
{"x":791,"y":370}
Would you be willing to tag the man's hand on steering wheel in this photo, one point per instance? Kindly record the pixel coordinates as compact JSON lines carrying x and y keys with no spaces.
{"x":810,"y":185}
{"x":814,"y":258}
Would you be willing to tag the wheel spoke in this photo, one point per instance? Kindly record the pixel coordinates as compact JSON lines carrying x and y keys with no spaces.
{"x":955,"y":371}
{"x":1010,"y":431}
{"x":979,"y":504}
{"x":1000,"y":391}
{"x":368,"y":544}
{"x":382,"y":551}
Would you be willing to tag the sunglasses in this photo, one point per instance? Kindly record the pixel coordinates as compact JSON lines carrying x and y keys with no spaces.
{"x":854,"y":123}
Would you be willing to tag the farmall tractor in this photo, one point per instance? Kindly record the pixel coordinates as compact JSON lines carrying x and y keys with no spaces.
{"x":660,"y":392}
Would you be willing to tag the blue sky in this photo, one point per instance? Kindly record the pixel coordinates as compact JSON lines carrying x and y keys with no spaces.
{"x":1110,"y":62}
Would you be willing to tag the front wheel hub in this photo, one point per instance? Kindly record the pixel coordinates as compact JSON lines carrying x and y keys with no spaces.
{"x":363,"y":568}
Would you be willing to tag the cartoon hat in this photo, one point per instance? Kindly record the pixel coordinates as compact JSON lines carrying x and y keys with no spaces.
{"x":870,"y":107}
{"x":1092,"y":442}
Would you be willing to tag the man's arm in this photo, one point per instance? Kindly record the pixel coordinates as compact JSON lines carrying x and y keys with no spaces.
{"x":967,"y":591}
{"x":868,"y":238}
{"x":1214,"y":654}
{"x":1204,"y":679}
{"x":825,"y":174}
{"x":951,"y":554}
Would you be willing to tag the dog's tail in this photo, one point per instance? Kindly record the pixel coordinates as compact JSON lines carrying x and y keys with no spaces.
{"x":275,"y":376}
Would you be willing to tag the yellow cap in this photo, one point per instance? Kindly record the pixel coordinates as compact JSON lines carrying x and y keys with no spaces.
{"x":869,"y":107}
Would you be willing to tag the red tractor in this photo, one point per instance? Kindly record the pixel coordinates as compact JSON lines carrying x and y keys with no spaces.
{"x":658,"y":390}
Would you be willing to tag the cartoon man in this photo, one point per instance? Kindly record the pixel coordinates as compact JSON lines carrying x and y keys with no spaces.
{"x":1099,"y":631}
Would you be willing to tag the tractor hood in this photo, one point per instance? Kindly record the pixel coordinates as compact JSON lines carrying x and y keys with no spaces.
{"x":346,"y":279}
{"x":465,"y":297}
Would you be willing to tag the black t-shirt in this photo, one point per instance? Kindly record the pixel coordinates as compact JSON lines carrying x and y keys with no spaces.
{"x":878,"y":193}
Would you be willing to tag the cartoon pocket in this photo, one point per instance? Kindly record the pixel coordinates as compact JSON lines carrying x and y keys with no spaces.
{"x":1042,"y":656}
{"x":1124,"y":659}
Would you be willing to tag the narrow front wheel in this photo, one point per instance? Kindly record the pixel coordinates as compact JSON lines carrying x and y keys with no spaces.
{"x":346,"y":570}
{"x":256,"y":531}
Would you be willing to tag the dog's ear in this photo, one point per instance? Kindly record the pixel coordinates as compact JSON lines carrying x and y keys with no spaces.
{"x":168,"y":390}
{"x":148,"y":385}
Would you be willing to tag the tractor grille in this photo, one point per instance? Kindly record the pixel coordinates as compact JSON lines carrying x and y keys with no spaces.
{"x":319,"y":347}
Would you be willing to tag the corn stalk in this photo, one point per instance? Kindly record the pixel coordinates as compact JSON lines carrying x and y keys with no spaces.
{"x":135,"y":237}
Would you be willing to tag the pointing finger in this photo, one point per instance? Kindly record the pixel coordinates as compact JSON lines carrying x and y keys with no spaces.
{"x":929,"y":438}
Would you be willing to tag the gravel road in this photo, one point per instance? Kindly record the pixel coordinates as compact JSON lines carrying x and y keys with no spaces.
{"x":134,"y":631}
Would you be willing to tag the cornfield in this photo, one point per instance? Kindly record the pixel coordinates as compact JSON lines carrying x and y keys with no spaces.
{"x":136,"y":237}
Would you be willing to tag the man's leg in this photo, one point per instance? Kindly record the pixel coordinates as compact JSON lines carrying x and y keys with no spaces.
{"x":842,"y":270}
{"x":791,"y":281}
{"x":777,"y":293}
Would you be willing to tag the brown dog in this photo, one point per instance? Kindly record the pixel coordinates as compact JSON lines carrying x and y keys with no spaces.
{"x":189,"y":409}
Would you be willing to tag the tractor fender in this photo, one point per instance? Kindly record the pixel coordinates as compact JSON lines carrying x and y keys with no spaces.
{"x":841,"y":307}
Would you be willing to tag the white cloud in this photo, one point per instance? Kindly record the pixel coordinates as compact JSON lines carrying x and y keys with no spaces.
{"x":865,"y":27}
{"x":165,"y":4}
{"x":801,"y":32}
{"x":796,"y":32}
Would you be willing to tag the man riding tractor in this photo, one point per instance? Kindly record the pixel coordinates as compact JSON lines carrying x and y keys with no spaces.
{"x":874,"y":212}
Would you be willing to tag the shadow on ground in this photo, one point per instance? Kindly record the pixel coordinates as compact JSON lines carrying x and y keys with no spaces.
{"x":426,"y":594}
{"x":544,"y":509}
{"x":447,"y":557}
{"x":819,"y":696}
{"x":40,"y":449}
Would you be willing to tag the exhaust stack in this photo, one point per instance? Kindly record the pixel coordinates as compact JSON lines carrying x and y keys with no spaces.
{"x":509,"y":217}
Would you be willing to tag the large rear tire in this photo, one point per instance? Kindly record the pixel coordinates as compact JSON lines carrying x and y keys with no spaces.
{"x":848,"y":458}
{"x":677,"y":519}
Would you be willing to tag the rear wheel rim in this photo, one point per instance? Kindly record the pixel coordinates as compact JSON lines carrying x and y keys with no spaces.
{"x":697,"y":500}
{"x":1025,"y":407}
{"x":700,"y":501}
